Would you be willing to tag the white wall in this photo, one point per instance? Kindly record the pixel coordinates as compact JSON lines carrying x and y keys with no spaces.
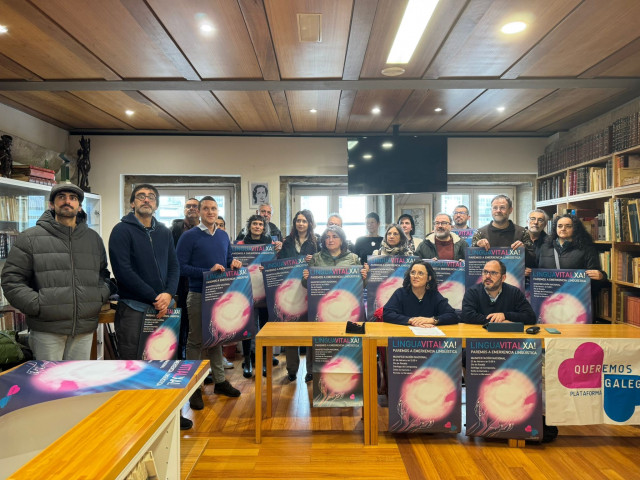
{"x":266,"y":159}
{"x":32,"y":129}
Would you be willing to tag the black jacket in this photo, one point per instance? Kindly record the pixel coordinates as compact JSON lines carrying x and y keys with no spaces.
{"x":476,"y":305}
{"x":58,"y":277}
{"x":404,"y":305}
{"x":289,"y":248}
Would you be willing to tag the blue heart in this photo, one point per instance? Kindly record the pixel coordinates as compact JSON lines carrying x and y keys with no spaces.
{"x":453,"y":428}
{"x":4,"y":401}
{"x":534,"y":433}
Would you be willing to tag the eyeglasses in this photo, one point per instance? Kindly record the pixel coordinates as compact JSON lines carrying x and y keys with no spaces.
{"x":142,"y":197}
{"x":536,"y":220}
{"x":417,"y":274}
{"x":444,"y":224}
{"x":460,"y":212}
{"x":188,"y":207}
{"x":487,"y":273}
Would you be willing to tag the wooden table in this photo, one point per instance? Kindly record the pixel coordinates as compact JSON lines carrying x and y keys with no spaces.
{"x":113,"y":432}
{"x":293,"y":334}
{"x":379,"y":333}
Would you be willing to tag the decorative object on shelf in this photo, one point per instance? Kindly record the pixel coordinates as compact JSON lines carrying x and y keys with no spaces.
{"x":84,"y":164}
{"x":6,"y":161}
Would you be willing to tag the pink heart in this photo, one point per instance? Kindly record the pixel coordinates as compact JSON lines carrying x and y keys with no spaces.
{"x":13,"y":390}
{"x":584,"y":370}
{"x":527,"y":429}
{"x":245,"y":333}
{"x":447,"y":425}
{"x":352,"y":396}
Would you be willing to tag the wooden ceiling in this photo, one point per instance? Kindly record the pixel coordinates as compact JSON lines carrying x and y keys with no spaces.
{"x":80,"y":64}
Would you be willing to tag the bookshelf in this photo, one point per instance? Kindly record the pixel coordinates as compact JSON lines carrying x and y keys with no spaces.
{"x":605,"y":194}
{"x":21,"y":205}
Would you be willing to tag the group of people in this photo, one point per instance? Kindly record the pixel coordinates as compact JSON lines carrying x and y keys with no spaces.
{"x":56,"y":272}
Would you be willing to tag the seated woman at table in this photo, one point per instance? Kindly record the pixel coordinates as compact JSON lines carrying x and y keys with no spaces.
{"x":395,"y":242}
{"x":418,"y":302}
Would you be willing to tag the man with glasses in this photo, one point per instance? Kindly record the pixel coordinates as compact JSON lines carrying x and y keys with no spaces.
{"x":442,"y":243}
{"x":495,"y":301}
{"x":146,"y":268}
{"x":56,"y":274}
{"x":461,"y":218}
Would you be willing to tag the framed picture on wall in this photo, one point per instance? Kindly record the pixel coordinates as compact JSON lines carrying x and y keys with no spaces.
{"x":421,"y":216}
{"x":258,"y":194}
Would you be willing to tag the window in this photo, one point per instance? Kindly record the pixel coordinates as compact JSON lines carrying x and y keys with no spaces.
{"x":478,"y":200}
{"x":323,"y":201}
{"x":172,"y":200}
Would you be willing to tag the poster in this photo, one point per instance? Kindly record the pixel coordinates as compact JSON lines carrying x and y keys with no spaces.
{"x":386,"y":274}
{"x":451,"y":280}
{"x":504,"y":388}
{"x":561,"y":296}
{"x":40,"y":381}
{"x":227,"y":307}
{"x":513,"y":258}
{"x":592,"y":381}
{"x":252,"y":256}
{"x":425,"y":384}
{"x":466,"y":234}
{"x":337,"y":372}
{"x":335,"y":294}
{"x":286,"y":297}
{"x":159,"y":336}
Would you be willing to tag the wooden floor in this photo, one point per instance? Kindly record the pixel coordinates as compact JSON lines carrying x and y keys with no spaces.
{"x":304,"y":443}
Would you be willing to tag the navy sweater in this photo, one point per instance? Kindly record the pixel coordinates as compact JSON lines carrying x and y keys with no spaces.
{"x":198,"y":251}
{"x":144,"y":260}
{"x":476,"y":305}
{"x":404,"y":305}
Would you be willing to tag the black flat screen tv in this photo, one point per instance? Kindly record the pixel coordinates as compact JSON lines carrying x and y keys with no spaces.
{"x":395,"y":164}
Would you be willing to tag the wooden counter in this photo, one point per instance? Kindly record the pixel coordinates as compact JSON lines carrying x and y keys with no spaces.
{"x":112,"y":439}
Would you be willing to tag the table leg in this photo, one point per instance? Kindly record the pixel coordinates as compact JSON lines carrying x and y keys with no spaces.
{"x":373,"y":391}
{"x":269,"y":364}
{"x":366,"y":391}
{"x":258,"y":390}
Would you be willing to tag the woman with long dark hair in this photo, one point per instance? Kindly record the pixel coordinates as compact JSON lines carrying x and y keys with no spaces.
{"x":301,"y":241}
{"x":395,"y":242}
{"x":418,"y":302}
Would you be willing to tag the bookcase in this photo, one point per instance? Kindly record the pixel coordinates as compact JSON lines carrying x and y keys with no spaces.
{"x":604,"y":192}
{"x":21,"y":205}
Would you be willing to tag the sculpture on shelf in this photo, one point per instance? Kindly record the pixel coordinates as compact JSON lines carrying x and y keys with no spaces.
{"x":84,"y":164}
{"x":6,"y":162}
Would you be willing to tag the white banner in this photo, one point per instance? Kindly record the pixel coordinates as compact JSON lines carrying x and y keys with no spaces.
{"x":592,"y":381}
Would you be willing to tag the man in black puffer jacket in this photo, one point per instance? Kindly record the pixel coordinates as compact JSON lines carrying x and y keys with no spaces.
{"x":56,"y":274}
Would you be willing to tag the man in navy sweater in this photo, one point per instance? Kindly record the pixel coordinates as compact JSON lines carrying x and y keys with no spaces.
{"x":146,"y":268}
{"x":202,"y":249}
{"x":495,"y":301}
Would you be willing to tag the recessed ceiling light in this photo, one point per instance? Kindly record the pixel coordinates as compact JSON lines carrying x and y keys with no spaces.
{"x":414,"y":22}
{"x":392,"y":71}
{"x":513,"y":27}
{"x":206,"y":28}
{"x":500,"y":109}
{"x":375,"y":110}
{"x":437,"y":109}
{"x":367,"y":156}
{"x":313,"y":110}
{"x":387,"y":145}
{"x":129,"y":112}
{"x":351,"y":165}
{"x":3,"y":29}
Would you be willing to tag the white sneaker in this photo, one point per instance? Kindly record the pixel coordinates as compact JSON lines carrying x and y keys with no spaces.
{"x":226,"y":363}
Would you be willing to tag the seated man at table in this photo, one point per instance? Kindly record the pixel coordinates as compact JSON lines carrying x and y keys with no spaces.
{"x":493,"y":300}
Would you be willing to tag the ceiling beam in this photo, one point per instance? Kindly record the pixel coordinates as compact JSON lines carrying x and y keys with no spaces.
{"x":264,"y":85}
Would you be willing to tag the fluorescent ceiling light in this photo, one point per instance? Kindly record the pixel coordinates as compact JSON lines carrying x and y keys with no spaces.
{"x":351,"y":165}
{"x":367,"y":156}
{"x":513,"y":27}
{"x":387,"y":145}
{"x":414,"y":22}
